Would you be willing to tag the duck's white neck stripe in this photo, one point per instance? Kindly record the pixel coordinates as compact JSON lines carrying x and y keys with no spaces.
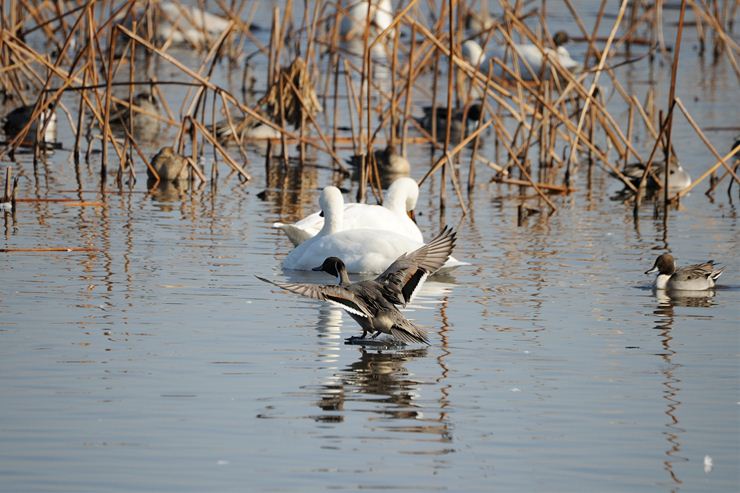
{"x":662,"y":281}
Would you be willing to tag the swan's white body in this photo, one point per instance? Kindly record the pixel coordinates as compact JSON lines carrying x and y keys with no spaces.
{"x":530,"y":55}
{"x":353,"y":24}
{"x":362,"y":250}
{"x":392,"y":216}
{"x":183,"y":24}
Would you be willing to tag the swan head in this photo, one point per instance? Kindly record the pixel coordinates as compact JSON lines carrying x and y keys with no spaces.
{"x":403,"y":194}
{"x":332,"y":209}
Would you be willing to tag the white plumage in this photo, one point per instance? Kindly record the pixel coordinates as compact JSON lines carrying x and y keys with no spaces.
{"x":392,"y":216}
{"x":362,"y":250}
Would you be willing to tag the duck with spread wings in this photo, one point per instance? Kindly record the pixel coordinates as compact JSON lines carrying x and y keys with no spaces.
{"x":372,"y":303}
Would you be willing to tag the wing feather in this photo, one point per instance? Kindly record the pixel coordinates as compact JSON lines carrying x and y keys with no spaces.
{"x":405,"y":276}
{"x":335,"y":295}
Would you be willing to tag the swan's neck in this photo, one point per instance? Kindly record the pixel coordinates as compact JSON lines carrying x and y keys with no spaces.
{"x":396,"y":204}
{"x":333,"y":220}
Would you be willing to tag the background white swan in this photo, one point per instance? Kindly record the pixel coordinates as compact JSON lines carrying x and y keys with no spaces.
{"x":531,"y":55}
{"x":353,"y":24}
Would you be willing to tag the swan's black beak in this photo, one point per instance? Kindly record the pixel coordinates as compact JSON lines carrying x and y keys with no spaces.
{"x":321,"y":214}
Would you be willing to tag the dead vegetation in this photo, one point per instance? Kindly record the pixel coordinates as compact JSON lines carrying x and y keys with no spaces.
{"x":550,"y":121}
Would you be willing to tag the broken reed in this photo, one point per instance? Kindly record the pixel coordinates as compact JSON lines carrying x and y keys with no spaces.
{"x":552,"y":122}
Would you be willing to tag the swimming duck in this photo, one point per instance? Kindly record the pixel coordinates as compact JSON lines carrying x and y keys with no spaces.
{"x":17,"y":119}
{"x":170,"y":166}
{"x":460,"y":120}
{"x":696,"y":277}
{"x":532,"y":55}
{"x":390,"y":165}
{"x":362,"y":250}
{"x":394,"y":215}
{"x":248,"y":128}
{"x":372,"y":303}
{"x":678,"y":179}
{"x":144,"y":113}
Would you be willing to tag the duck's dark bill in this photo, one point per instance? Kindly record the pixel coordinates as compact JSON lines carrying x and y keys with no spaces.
{"x":319,"y":268}
{"x":374,"y":343}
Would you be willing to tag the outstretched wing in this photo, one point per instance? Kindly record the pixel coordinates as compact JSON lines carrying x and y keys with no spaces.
{"x":406,"y":275}
{"x":335,"y":295}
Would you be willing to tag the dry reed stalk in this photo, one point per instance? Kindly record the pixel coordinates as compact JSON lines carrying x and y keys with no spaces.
{"x":451,"y":154}
{"x":542,"y":186}
{"x":704,"y":139}
{"x":648,"y":165}
{"x":709,"y":171}
{"x":8,"y":189}
{"x":448,"y":126}
{"x":214,"y":142}
{"x":210,"y":85}
{"x":671,"y":106}
{"x":630,"y":127}
{"x":476,"y":142}
{"x":600,"y":66}
{"x":394,"y":63}
{"x":48,"y":249}
{"x":408,"y":95}
{"x":306,"y":111}
{"x":350,"y":88}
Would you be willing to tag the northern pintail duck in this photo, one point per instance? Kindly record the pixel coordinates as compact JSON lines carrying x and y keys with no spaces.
{"x":678,"y":178}
{"x":461,"y":119}
{"x":362,"y":250}
{"x":391,"y":165}
{"x":248,"y":128}
{"x":17,"y":119}
{"x":372,"y":303}
{"x":387,"y":159}
{"x":698,"y":277}
{"x":396,"y":215}
{"x":170,"y":166}
{"x":144,"y":115}
{"x":530,"y":56}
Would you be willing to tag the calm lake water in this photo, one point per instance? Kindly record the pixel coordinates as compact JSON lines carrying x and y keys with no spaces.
{"x":156,"y":361}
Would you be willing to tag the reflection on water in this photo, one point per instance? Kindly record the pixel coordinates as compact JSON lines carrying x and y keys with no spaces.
{"x":157,"y":351}
{"x":668,"y":301}
{"x":390,"y":388}
{"x":671,"y":387}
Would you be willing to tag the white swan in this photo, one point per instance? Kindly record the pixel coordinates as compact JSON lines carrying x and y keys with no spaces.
{"x":184,"y":24}
{"x":362,"y":250}
{"x":529,"y":56}
{"x":393,"y":215}
{"x":353,"y":24}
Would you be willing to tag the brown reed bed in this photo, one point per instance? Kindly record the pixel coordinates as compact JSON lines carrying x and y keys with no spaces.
{"x":332,"y":63}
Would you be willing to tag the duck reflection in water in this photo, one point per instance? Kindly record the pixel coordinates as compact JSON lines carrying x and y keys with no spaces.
{"x":381,"y":375}
{"x":689,"y":299}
